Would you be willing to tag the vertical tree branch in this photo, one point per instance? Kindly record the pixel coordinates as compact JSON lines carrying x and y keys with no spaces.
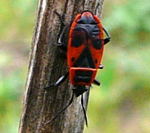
{"x":46,"y":66}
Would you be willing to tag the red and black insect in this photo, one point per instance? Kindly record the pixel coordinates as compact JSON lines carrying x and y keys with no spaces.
{"x":84,"y":50}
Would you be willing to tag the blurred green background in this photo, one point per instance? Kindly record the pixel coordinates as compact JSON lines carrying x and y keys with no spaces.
{"x":122,"y":103}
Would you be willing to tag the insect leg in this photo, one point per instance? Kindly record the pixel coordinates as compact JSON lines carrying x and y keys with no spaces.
{"x":101,"y":66}
{"x":58,"y":82}
{"x":62,"y":29}
{"x":61,"y":17}
{"x":62,"y":39}
{"x":106,"y":40}
{"x":96,"y":82}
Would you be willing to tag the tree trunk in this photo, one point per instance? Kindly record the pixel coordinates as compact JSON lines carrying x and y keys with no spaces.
{"x":46,"y":66}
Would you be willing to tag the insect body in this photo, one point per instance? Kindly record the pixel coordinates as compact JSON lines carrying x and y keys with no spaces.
{"x":85,"y":48}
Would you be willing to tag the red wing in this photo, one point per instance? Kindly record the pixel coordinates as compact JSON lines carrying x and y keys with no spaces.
{"x":77,"y":43}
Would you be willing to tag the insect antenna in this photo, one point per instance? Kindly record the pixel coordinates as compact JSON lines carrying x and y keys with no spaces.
{"x":84,"y":112}
{"x":96,"y":8}
{"x":61,"y":111}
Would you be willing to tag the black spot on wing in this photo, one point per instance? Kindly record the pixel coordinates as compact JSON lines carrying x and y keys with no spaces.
{"x":85,"y":59}
{"x":78,"y":37}
{"x":97,"y":43}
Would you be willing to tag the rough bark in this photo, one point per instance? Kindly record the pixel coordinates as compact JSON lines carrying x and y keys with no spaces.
{"x":46,"y":66}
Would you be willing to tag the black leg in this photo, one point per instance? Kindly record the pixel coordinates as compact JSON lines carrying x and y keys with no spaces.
{"x":62,"y":39}
{"x":62,"y":29}
{"x":58,"y":82}
{"x":61,"y":17}
{"x":101,"y":66}
{"x":106,"y":40}
{"x":96,"y":82}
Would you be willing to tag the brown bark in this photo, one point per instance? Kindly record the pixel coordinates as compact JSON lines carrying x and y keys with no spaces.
{"x":46,"y":66}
